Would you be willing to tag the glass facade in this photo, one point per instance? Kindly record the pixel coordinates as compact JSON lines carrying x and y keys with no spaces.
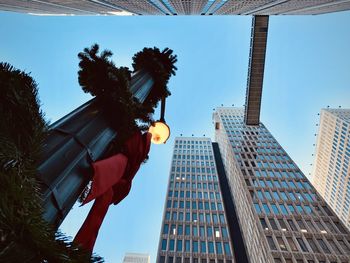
{"x":282,"y":217}
{"x":194,"y":228}
{"x":175,"y":7}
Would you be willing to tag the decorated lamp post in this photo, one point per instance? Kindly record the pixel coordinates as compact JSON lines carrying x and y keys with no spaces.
{"x":99,"y":128}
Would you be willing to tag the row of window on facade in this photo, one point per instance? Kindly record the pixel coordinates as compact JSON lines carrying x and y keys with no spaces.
{"x":195,"y":217}
{"x":309,"y":245}
{"x":281,"y":209}
{"x":289,"y":260}
{"x":303,"y":226}
{"x":194,"y":246}
{"x":193,"y":157}
{"x":278,"y":174}
{"x":271,"y":173}
{"x":194,"y":194}
{"x":205,"y":142}
{"x":256,"y":150}
{"x":189,"y":169}
{"x":172,"y":259}
{"x":191,"y":164}
{"x":188,"y":185}
{"x":278,"y":195}
{"x":192,"y":177}
{"x":197,"y":231}
{"x":281,"y":158}
{"x":200,"y":205}
{"x":282,"y":184}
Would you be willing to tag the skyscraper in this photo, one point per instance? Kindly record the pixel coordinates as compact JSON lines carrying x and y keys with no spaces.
{"x":331,"y":173}
{"x":281,"y":216}
{"x":194,"y":226}
{"x":136,"y":258}
{"x":175,"y":7}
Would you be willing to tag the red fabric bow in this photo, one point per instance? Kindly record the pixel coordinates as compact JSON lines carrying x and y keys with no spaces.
{"x":111,"y":183}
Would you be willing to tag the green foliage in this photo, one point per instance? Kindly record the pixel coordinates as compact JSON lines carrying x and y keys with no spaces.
{"x":24,"y":235}
{"x":161,"y":65}
{"x":99,"y":76}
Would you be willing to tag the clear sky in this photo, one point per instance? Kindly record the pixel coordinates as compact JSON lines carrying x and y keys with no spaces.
{"x":307,"y":68}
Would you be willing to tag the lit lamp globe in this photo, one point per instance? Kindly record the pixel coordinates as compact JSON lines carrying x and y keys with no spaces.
{"x":160,"y":132}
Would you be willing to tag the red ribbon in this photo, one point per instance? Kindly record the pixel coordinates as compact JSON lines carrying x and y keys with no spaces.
{"x":111,"y":183}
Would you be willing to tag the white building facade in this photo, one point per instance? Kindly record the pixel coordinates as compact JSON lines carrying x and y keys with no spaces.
{"x":331,"y":171}
{"x":136,"y":258}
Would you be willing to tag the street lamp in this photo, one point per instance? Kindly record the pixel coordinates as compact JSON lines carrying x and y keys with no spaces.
{"x":160,"y":130}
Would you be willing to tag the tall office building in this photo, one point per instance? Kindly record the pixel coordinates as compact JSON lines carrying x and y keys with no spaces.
{"x":175,"y":7}
{"x":136,"y":258}
{"x":194,"y":227}
{"x":331,"y":173}
{"x":281,"y":216}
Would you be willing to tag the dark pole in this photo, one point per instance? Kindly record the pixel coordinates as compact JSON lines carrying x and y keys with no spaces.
{"x":73,"y":142}
{"x":162,"y":110}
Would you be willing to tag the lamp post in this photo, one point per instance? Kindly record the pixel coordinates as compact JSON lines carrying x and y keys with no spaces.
{"x":73,"y":143}
{"x":89,"y":133}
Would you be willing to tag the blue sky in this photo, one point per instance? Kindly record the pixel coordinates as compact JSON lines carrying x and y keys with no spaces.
{"x":307,"y":68}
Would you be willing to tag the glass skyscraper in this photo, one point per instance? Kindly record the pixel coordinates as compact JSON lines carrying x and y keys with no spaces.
{"x":331,"y":174}
{"x":175,"y":7}
{"x":281,"y":216}
{"x":194,"y":227}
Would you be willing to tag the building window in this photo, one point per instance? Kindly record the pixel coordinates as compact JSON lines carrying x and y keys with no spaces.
{"x":266,"y":208}
{"x":164,"y":241}
{"x":218,"y":248}
{"x":283,"y":209}
{"x":203,"y":247}
{"x":302,"y":245}
{"x":187,"y":246}
{"x":227,"y":249}
{"x":210,"y":247}
{"x":291,"y":244}
{"x":187,"y":230}
{"x":195,"y":246}
{"x":313,"y":245}
{"x":323,"y":246}
{"x":273,"y":224}
{"x":224,"y":232}
{"x":281,"y":244}
{"x":166,"y":229}
{"x":179,"y":230}
{"x":264,"y":224}
{"x":274,"y":209}
{"x":179,"y":246}
{"x":257,"y":208}
{"x":171,"y":245}
{"x":271,"y":243}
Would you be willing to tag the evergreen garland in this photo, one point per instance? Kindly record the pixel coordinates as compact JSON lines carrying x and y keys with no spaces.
{"x":24,"y":235}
